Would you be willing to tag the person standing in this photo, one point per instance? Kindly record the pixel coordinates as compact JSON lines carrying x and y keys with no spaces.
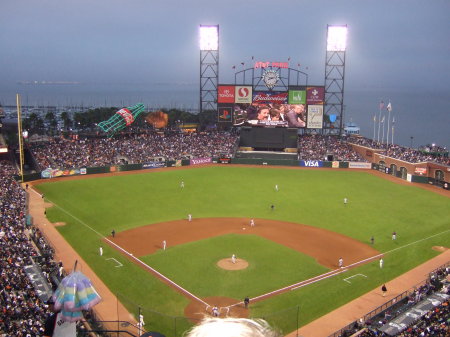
{"x":141,"y":323}
{"x":345,"y":201}
{"x":189,"y":217}
{"x":272,"y":207}
{"x":381,"y":263}
{"x":101,"y":251}
{"x":233,"y":259}
{"x":246,"y":302}
{"x":164,"y":244}
{"x":341,"y":262}
{"x":372,"y":240}
{"x":394,"y":235}
{"x":182,"y":184}
{"x":215,"y":311}
{"x":276,"y":187}
{"x":113,"y":233}
{"x":252,"y":223}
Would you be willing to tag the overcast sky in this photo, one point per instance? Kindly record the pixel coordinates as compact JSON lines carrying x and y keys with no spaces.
{"x":391,"y":43}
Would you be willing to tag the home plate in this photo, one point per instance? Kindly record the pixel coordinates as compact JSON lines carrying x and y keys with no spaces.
{"x":244,"y":228}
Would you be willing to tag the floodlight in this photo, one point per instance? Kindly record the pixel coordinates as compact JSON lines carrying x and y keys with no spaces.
{"x":337,"y":38}
{"x":209,"y":37}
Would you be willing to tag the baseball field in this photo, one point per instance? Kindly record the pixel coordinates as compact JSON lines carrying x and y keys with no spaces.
{"x":287,"y":264}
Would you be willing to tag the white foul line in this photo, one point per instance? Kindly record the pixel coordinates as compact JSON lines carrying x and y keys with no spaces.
{"x":134,"y":258}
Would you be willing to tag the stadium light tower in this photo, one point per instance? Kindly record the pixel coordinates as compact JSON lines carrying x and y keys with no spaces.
{"x":334,"y":75}
{"x":209,"y":66}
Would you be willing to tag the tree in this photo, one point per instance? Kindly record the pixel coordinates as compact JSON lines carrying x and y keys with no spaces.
{"x":67,"y":122}
{"x":51,"y":122}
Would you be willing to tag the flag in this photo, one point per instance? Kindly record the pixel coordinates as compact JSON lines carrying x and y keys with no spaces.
{"x":233,"y":67}
{"x":374,"y":118}
{"x":381,"y":105}
{"x":389,"y":107}
{"x":382,"y":120}
{"x":393,"y":120}
{"x":298,"y":65}
{"x":242,"y":63}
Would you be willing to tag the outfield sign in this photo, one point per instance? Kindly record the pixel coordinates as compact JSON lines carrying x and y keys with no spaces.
{"x":198,"y":161}
{"x":311,"y":163}
{"x":357,"y":165}
{"x":155,"y":164}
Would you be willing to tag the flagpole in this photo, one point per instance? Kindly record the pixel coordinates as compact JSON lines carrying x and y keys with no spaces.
{"x":379,"y":119}
{"x":382,"y":139}
{"x":389,"y":108}
{"x":374,"y":122}
{"x":392,"y":133}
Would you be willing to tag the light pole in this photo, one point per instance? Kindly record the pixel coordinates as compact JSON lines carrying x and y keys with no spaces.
{"x":411,"y":141}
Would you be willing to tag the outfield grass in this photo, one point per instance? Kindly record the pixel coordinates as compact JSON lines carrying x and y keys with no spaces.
{"x":93,"y":207}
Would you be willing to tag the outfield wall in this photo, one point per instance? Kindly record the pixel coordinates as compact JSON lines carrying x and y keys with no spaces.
{"x":397,"y":168}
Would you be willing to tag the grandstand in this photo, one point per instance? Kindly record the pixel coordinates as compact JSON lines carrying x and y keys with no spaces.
{"x":24,"y":246}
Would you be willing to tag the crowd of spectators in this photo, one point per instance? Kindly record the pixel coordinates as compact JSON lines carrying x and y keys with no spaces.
{"x":407,"y":154}
{"x":139,"y":148}
{"x":318,"y":147}
{"x":22,"y":312}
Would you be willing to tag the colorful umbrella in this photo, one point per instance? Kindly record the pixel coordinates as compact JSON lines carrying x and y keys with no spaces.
{"x":74,"y":294}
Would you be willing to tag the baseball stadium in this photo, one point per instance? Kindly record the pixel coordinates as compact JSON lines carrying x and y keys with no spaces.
{"x":274,"y":212}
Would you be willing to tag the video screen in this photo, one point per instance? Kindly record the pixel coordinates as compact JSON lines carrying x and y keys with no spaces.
{"x":275,"y":114}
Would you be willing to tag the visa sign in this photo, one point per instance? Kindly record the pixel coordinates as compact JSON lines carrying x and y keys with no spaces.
{"x":311,"y":163}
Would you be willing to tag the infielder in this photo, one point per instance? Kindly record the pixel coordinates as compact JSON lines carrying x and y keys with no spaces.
{"x":341,"y":262}
{"x":189,"y":217}
{"x":164,"y":244}
{"x":381,"y":263}
{"x":252,"y":223}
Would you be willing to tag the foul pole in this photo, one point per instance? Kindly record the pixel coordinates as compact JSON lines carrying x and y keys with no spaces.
{"x":19,"y":126}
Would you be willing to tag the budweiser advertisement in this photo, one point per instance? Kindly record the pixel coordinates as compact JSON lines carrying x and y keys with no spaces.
{"x":270,"y":97}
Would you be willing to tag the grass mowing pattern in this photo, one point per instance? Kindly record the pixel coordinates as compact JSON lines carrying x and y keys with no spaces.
{"x":314,"y":197}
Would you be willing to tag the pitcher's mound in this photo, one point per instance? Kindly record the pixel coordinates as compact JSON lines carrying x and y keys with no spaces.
{"x":227,"y":264}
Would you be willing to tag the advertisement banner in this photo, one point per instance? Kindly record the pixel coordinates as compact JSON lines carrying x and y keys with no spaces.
{"x":152,"y":165}
{"x":224,"y":113}
{"x":268,"y":97}
{"x":335,"y":164}
{"x":359,"y":165}
{"x":243,"y":94}
{"x":314,"y":119}
{"x":311,"y":163}
{"x":225,"y":94}
{"x":297,"y":97}
{"x":315,"y":95}
{"x":198,"y":161}
{"x":420,"y":171}
{"x":53,"y":173}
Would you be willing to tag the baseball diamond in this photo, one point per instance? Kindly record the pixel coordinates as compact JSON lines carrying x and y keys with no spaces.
{"x":304,"y":237}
